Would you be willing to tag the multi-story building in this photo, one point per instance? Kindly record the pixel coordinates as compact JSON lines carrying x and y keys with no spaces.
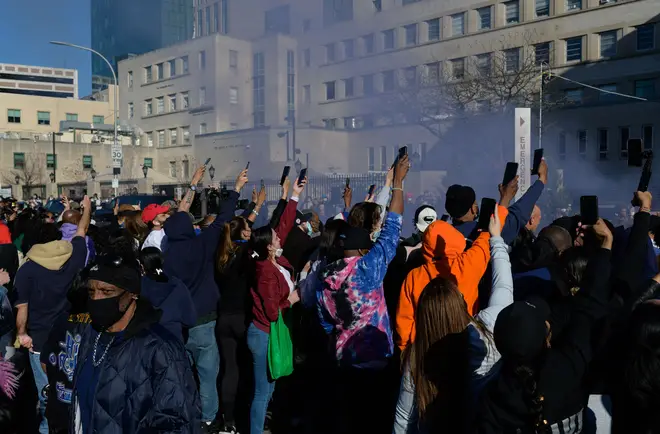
{"x":118,"y":30}
{"x":211,"y":17}
{"x":38,"y":81}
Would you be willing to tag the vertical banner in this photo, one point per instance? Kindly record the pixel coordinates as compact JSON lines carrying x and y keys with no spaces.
{"x":523,"y":148}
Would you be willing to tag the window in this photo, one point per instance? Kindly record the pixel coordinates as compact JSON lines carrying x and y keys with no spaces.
{"x":457,"y":24}
{"x":368,"y":41}
{"x":148,"y":162}
{"x":388,"y":39}
{"x":233,"y":59}
{"x":330,"y":124}
{"x":150,"y":139}
{"x":573,"y":5}
{"x":160,"y":70}
{"x":200,"y":17}
{"x":561,"y":146}
{"x":512,"y":59}
{"x":485,"y":19}
{"x":624,"y":135}
{"x":19,"y":160}
{"x":43,"y":118}
{"x":608,"y":44}
{"x":542,"y":8}
{"x":173,"y":167}
{"x":432,"y":72}
{"x":582,"y":144}
{"x":51,"y":161}
{"x":573,"y":96}
{"x":202,"y":60}
{"x":388,"y":81}
{"x":184,"y":64}
{"x":512,"y":12}
{"x":335,"y":11}
{"x":233,"y":95}
{"x":383,"y":159}
{"x":307,"y":25}
{"x":371,"y":154}
{"x":368,"y":84}
{"x":172,"y":102}
{"x":160,"y":105}
{"x":202,"y":96}
{"x":350,"y":123}
{"x":602,"y":96}
{"x":645,"y":88}
{"x":161,"y":138}
{"x":129,"y":79}
{"x":202,"y":128}
{"x":131,"y":110}
{"x":98,"y":119}
{"x":348,"y":87}
{"x":172,"y":67}
{"x":574,"y":49}
{"x":329,"y":90}
{"x":185,"y":101}
{"x":72,"y":117}
{"x":207,"y":15}
{"x":407,"y":2}
{"x":349,"y":48}
{"x":87,"y":162}
{"x":224,"y":23}
{"x":647,"y":136}
{"x":148,"y":77}
{"x":14,"y":116}
{"x":411,"y":34}
{"x":433,"y":29}
{"x":307,"y":94}
{"x":410,"y":76}
{"x":645,"y":37}
{"x":307,"y":57}
{"x":330,"y":53}
{"x":483,"y":63}
{"x":173,"y":137}
{"x":185,"y":133}
{"x":457,"y":68}
{"x":148,"y":108}
{"x":542,"y":53}
{"x":602,"y":144}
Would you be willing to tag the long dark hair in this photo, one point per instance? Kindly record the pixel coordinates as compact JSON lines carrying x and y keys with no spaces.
{"x":328,"y":248}
{"x":231,"y":232}
{"x":527,"y":377}
{"x":151,"y":259}
{"x":260,"y":240}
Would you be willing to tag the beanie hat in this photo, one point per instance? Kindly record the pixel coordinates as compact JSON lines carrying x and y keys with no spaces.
{"x":459,"y":200}
{"x":520,"y":331}
{"x":115,"y":271}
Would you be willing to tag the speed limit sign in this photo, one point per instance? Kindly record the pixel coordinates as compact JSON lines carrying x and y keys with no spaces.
{"x":117,"y":155}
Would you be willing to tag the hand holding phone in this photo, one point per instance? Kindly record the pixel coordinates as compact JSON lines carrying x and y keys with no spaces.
{"x":302,"y":175}
{"x":372,"y":188}
{"x":509,"y":173}
{"x":538,"y":157}
{"x":285,"y":173}
{"x":208,"y":160}
{"x":589,"y":210}
{"x":348,"y":182}
{"x":247,"y":166}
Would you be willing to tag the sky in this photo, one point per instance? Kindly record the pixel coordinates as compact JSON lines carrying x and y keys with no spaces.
{"x":28,"y":26}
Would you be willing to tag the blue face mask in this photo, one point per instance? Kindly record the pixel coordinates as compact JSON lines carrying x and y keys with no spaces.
{"x":198,"y":231}
{"x":310,"y":231}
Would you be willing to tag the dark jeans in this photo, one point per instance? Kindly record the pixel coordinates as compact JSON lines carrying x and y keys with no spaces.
{"x":236,"y":368}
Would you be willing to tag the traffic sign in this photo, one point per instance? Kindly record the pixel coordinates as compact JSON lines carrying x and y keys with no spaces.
{"x":117,"y":154}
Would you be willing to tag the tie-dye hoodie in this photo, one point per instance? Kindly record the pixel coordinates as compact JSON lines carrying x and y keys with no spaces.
{"x":352,"y":305}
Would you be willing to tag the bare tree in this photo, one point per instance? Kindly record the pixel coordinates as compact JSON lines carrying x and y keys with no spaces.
{"x":30,"y":174}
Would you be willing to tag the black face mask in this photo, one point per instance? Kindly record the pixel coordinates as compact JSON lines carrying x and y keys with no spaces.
{"x":104,"y":312}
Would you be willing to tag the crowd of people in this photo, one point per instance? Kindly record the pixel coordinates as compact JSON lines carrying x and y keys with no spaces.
{"x":248,"y":322}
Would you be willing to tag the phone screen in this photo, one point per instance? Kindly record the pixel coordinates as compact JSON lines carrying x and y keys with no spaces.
{"x":285,"y":173}
{"x":589,"y":209}
{"x":372,"y":187}
{"x":208,"y":160}
{"x":348,"y":182}
{"x":403,"y":151}
{"x":538,"y":157}
{"x":302,"y":175}
{"x":247,"y":166}
{"x":510,"y":172}
{"x":635,"y":152}
{"x":485,"y":211}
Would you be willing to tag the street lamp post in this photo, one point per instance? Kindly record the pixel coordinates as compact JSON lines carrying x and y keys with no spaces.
{"x":55,"y":157}
{"x":114,"y":76}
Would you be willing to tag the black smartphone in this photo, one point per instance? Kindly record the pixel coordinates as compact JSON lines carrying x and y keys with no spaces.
{"x":348,"y":182}
{"x":208,"y":160}
{"x":645,"y":179}
{"x":302,"y":175}
{"x":403,"y":151}
{"x":635,"y":152}
{"x":247,"y":166}
{"x":285,"y":173}
{"x":485,"y":211}
{"x":372,"y":187}
{"x":538,"y":157}
{"x":510,"y":172}
{"x":589,"y":210}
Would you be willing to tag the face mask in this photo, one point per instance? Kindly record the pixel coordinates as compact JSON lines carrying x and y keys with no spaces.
{"x":375,"y":235}
{"x":198,"y":231}
{"x":279,"y":252}
{"x":310,"y":231}
{"x":104,"y":312}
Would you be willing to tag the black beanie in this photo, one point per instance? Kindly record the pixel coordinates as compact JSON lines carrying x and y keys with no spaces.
{"x":459,"y":200}
{"x":115,"y":272}
{"x":520,"y":330}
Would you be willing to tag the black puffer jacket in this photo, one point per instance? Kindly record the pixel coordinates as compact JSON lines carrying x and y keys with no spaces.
{"x":146,"y":383}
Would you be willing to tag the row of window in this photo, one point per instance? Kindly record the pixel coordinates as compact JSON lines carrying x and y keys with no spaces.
{"x":642,"y":88}
{"x":603,"y":139}
{"x":176,"y":102}
{"x":433,"y":30}
{"x":14,"y":116}
{"x":386,"y":158}
{"x":216,"y":22}
{"x":171,"y":137}
{"x":51,"y":161}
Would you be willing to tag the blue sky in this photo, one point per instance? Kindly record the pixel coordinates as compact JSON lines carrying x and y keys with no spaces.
{"x":28,"y":25}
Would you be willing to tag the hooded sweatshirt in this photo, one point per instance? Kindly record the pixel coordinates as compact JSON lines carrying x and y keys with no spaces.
{"x":191,"y":258}
{"x":445,"y":256}
{"x":173,"y":298}
{"x":69,"y":231}
{"x":43,"y":282}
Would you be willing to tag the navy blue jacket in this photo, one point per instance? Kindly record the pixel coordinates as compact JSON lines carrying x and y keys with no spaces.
{"x":145,"y":383}
{"x":191,"y":258}
{"x":519,"y":214}
{"x":173,"y":298}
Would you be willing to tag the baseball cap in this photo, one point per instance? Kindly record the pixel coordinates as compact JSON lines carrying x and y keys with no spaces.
{"x":424,"y":216}
{"x":151,"y":211}
{"x":303,"y":216}
{"x":520,"y":329}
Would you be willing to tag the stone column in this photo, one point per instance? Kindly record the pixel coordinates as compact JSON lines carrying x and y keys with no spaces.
{"x":145,"y":186}
{"x":93,"y":187}
{"x":51,"y":189}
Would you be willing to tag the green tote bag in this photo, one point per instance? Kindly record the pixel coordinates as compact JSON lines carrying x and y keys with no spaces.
{"x":280,"y":348}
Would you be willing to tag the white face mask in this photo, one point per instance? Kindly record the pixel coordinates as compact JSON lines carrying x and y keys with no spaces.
{"x":278,"y":252}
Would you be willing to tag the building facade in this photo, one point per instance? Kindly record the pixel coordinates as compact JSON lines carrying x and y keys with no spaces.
{"x":118,"y":30}
{"x":38,"y":81}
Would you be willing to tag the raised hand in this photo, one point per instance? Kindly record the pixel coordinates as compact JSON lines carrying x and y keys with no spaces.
{"x":299,"y":186}
{"x":241,"y":180}
{"x":199,"y":175}
{"x":494,"y":226}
